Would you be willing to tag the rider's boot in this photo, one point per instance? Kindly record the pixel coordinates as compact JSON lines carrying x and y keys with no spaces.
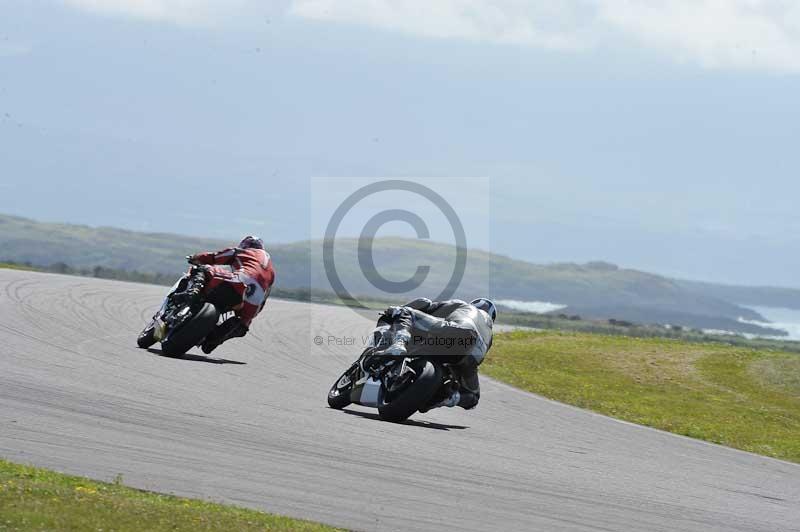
{"x":230,"y":328}
{"x":462,"y":397}
{"x":197,"y":282}
{"x":452,"y":401}
{"x":449,"y":402}
{"x":399,"y":346}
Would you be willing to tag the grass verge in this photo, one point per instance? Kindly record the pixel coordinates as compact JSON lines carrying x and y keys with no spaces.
{"x":735,"y":396}
{"x":38,"y":499}
{"x":15,"y":266}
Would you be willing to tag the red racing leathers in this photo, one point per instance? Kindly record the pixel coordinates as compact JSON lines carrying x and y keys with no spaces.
{"x":249,"y":272}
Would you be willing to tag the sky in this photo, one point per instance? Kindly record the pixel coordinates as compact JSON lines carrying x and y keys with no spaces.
{"x":659,"y":135}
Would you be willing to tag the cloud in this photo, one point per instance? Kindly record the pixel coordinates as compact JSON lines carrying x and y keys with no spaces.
{"x":714,"y":33}
{"x":182,"y":12}
{"x":718,"y":34}
{"x":552,"y":25}
{"x":763,"y":34}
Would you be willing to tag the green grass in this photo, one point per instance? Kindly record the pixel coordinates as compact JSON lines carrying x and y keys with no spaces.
{"x":735,"y":396}
{"x":37,"y":499}
{"x":15,"y":266}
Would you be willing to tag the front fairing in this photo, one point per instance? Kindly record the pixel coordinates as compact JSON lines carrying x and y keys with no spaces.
{"x":367,"y":392}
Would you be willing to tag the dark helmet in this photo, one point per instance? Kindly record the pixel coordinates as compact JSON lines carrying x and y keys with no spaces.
{"x":485,"y":305}
{"x":251,"y":242}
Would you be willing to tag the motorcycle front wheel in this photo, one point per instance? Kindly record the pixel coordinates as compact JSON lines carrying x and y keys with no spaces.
{"x":147,"y":336}
{"x":339,"y":394}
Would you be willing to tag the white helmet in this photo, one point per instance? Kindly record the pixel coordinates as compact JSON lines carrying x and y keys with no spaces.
{"x":486,"y":305}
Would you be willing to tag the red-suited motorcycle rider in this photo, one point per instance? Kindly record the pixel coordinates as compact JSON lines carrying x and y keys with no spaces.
{"x":239,"y":279}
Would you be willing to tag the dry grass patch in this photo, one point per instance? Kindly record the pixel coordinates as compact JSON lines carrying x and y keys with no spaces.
{"x":779,"y":372}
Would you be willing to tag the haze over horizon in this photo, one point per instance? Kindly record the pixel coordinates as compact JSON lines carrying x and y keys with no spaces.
{"x":660,"y":138}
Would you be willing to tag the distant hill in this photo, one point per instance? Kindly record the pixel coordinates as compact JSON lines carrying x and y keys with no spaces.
{"x":756,"y":296}
{"x":597,"y":289}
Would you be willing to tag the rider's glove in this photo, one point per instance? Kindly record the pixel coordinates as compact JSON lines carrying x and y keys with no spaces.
{"x":392,"y":312}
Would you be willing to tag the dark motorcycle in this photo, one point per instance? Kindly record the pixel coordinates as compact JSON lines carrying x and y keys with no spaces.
{"x":182,"y":322}
{"x":397,"y":387}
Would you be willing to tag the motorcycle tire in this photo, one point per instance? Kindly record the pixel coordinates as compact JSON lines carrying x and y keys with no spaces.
{"x":416,"y":396}
{"x":192,"y":332}
{"x":339,"y":397}
{"x":147,"y":336}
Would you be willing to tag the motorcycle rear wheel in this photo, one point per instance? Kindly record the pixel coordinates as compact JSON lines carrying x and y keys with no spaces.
{"x":192,"y":332}
{"x":415,"y":396}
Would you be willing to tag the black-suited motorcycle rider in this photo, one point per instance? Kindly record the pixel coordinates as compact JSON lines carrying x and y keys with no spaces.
{"x":451,"y":330}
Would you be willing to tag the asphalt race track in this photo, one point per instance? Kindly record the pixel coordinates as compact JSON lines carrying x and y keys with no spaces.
{"x":252,"y":427}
